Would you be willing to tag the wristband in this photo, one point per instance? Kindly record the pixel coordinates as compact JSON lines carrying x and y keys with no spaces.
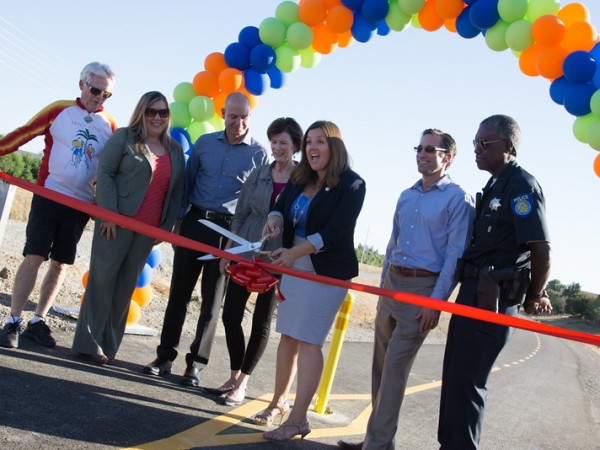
{"x":538,"y":296}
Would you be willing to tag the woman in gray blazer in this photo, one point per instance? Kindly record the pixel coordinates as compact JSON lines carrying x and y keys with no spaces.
{"x":256,"y":200}
{"x":140,"y":175}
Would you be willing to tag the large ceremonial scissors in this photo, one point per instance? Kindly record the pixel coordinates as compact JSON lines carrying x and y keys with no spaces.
{"x":245,"y":245}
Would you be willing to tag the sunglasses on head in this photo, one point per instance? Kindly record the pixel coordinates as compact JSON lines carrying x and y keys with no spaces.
{"x":95,"y":91}
{"x":151,"y":112}
{"x":429,"y":149}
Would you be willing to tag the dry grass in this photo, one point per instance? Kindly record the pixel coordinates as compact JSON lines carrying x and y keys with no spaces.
{"x":21,"y":205}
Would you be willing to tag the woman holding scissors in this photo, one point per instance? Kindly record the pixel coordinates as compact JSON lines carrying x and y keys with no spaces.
{"x":257,"y":197}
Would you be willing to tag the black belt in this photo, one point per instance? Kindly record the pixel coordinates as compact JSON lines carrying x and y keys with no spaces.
{"x":211,"y":215}
{"x":408,"y":272}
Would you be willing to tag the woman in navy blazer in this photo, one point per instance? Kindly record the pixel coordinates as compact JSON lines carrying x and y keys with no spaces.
{"x":317,"y":212}
{"x":140,"y":175}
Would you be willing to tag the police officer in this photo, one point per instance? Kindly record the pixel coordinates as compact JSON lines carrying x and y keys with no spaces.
{"x":506,"y":264}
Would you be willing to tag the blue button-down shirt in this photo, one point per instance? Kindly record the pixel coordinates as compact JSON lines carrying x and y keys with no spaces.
{"x":217,"y":169}
{"x":430,"y":231}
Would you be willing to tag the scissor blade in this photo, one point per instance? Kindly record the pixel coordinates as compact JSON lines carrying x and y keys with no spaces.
{"x":224,"y":232}
{"x":234,"y":251}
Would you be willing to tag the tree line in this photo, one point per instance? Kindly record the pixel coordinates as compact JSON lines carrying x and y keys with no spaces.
{"x":22,"y":165}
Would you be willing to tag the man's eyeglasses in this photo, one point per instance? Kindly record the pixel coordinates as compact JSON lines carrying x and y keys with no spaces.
{"x":95,"y":91}
{"x":151,"y":112}
{"x":429,"y":149}
{"x":483,"y":144}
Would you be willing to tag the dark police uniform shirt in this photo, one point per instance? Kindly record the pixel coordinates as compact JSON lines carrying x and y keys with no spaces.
{"x":511,"y":212}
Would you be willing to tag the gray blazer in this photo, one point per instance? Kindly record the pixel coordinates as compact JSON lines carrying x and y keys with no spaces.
{"x":253,"y":206}
{"x":124,"y":175}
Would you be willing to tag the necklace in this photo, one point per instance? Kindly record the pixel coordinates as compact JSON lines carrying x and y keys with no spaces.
{"x":88,"y":118}
{"x":299,"y":211}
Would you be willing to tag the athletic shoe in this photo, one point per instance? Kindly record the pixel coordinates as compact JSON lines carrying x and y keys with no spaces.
{"x":9,"y":337}
{"x":40,"y":333}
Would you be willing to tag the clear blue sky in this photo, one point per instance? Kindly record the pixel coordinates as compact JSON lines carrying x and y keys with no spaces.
{"x":382,"y":94}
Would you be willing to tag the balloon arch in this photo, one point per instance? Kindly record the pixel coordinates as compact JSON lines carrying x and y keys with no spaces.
{"x":557,"y":43}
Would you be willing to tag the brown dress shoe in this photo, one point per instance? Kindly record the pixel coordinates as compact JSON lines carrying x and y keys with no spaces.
{"x":350,"y":445}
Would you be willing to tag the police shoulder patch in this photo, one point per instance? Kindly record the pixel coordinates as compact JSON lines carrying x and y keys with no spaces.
{"x":522,"y":204}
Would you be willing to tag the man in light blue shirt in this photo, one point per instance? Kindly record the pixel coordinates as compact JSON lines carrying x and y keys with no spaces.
{"x":430,"y":230}
{"x":218,"y":166}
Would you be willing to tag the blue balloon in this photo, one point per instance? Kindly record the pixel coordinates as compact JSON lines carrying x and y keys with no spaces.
{"x":354,"y":5}
{"x":182,"y":138}
{"x":579,"y":67}
{"x":595,"y":51}
{"x":145,"y":277}
{"x":362,"y":30}
{"x":484,"y":14}
{"x":375,"y":10}
{"x":464,"y":27}
{"x":262,"y":58}
{"x":276,"y":77}
{"x":237,"y":56}
{"x":577,"y":99}
{"x":185,"y":158}
{"x":155,"y":257}
{"x":383,"y":28}
{"x":558,"y":89}
{"x":249,"y":37}
{"x":255,"y":82}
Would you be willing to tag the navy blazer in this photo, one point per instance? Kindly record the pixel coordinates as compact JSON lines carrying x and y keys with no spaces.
{"x":332,"y":213}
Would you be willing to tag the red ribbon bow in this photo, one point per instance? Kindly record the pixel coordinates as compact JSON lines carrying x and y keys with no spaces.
{"x":254,"y":278}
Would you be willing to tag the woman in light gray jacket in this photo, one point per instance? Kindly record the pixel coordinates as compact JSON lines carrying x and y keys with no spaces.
{"x":140,"y":175}
{"x":255,"y":202}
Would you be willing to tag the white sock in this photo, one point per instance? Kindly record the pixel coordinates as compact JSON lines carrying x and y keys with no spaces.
{"x":14,"y":319}
{"x":36,"y":319}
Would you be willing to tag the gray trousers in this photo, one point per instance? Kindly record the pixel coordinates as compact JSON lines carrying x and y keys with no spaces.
{"x":397,"y":341}
{"x":115,"y":267}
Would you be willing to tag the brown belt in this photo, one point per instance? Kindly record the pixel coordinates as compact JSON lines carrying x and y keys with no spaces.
{"x":407,"y":272}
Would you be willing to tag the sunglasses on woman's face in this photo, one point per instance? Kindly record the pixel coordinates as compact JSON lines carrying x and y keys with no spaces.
{"x":151,"y":112}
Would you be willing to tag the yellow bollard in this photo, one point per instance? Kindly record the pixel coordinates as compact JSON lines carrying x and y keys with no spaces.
{"x":333,"y":355}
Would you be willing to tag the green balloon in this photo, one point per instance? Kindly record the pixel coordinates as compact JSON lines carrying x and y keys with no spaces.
{"x":595,"y":103}
{"x":272,"y":32}
{"x":197,"y":129}
{"x":414,"y":21}
{"x":309,"y":58}
{"x":539,"y":8}
{"x":217,"y":123}
{"x":288,"y":59}
{"x":518,"y":35}
{"x":582,"y":124}
{"x":411,"y":7}
{"x":495,"y":37}
{"x":397,"y":19}
{"x":593,"y":135}
{"x":511,"y":10}
{"x":184,"y":92}
{"x":201,"y":108}
{"x":287,"y":12}
{"x":180,"y":115}
{"x":299,"y":36}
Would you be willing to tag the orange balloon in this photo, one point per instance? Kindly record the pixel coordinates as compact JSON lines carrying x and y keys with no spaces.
{"x":549,"y":62}
{"x":312,"y":12}
{"x":142,"y":295}
{"x":450,"y":25}
{"x":252,"y":99}
{"x":324,"y":40}
{"x":345,"y":39}
{"x":215,"y":62}
{"x":574,"y":12}
{"x":580,"y":36}
{"x":134,"y":314}
{"x":339,"y":19}
{"x":597,"y":165}
{"x":332,"y":3}
{"x":81,"y":298}
{"x":548,"y":31}
{"x":230,"y":79}
{"x":449,"y":9}
{"x":429,"y":19}
{"x":219,"y":102}
{"x":528,"y":59}
{"x":206,"y":83}
{"x":84,"y":279}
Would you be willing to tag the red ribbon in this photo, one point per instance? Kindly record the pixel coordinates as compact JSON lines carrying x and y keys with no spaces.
{"x":254,"y":278}
{"x":426,"y":302}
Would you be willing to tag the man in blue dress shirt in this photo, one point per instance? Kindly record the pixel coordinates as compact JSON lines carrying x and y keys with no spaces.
{"x":218,"y":166}
{"x":430,"y":230}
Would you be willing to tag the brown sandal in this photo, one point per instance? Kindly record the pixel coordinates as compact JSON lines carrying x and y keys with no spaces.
{"x":287,"y":431}
{"x":267,"y":416}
